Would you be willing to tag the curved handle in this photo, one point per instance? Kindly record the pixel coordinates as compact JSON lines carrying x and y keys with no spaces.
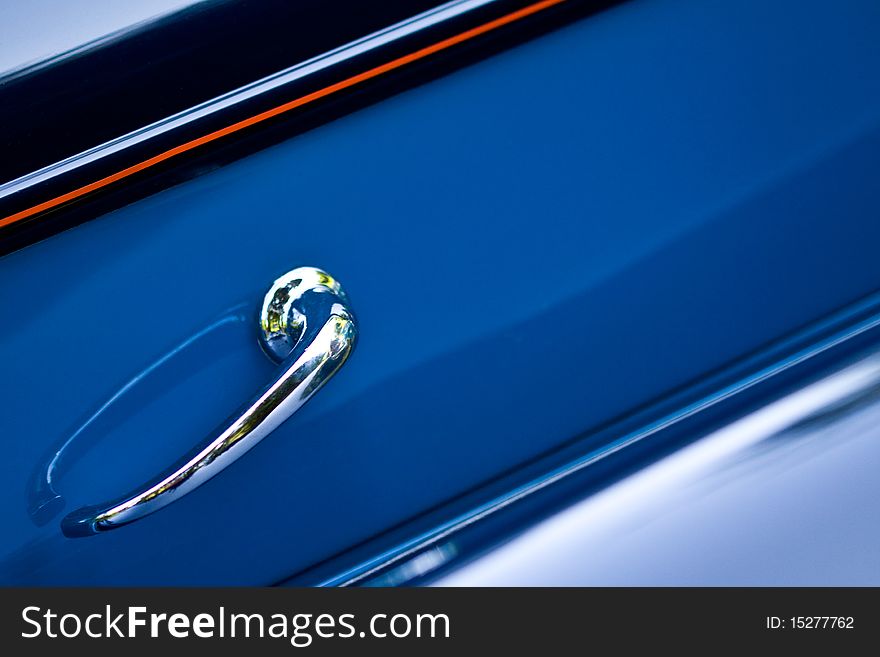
{"x":305,"y":325}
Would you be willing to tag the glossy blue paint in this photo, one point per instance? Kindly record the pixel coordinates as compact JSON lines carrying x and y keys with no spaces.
{"x":785,"y":496}
{"x":534,"y":245}
{"x":589,"y":466}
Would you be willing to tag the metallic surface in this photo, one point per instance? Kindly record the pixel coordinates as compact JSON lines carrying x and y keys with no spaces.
{"x":569,"y":231}
{"x":783,"y":496}
{"x":310,"y":348}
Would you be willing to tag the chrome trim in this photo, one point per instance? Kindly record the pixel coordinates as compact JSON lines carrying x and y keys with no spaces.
{"x":305,"y":325}
{"x":296,"y":72}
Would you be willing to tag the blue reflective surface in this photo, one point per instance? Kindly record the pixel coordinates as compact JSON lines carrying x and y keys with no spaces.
{"x":785,"y":496}
{"x":535,"y":245}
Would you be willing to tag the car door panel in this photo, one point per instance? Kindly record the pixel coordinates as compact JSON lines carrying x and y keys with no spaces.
{"x":534,"y":245}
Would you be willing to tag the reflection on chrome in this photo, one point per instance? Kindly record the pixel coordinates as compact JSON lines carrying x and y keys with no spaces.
{"x":306,"y":326}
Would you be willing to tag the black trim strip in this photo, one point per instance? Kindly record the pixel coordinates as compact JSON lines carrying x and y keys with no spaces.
{"x":21,"y":203}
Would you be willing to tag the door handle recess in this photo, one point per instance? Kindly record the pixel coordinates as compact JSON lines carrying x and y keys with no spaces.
{"x":307,"y":327}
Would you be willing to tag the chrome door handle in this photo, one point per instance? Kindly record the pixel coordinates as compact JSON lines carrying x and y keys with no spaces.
{"x":307,"y":327}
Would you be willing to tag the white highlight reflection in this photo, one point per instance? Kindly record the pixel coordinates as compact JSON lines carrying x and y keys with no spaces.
{"x":727,"y":510}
